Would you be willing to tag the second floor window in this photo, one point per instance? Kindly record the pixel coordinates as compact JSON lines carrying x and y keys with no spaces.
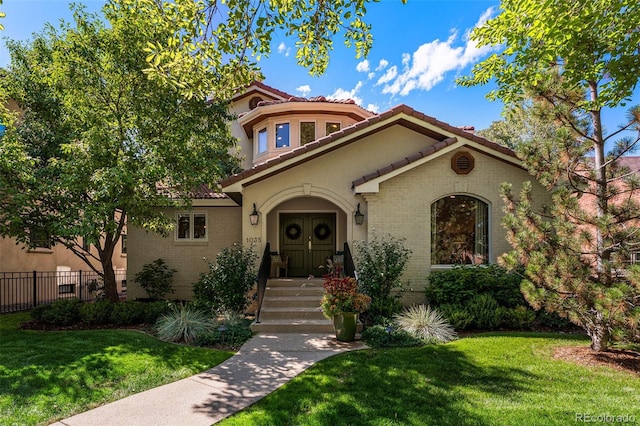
{"x":307,"y":132}
{"x":262,"y":141}
{"x":332,"y":128}
{"x":191,"y":227}
{"x":282,"y":135}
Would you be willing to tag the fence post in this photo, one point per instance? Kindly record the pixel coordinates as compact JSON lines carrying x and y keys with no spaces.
{"x":35,"y":289}
{"x":80,"y":284}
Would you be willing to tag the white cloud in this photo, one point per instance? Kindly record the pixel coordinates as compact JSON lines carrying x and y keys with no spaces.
{"x":371,"y":75}
{"x":363,"y":66}
{"x":382,"y":64}
{"x":429,"y":64}
{"x":304,"y":90}
{"x":283,"y":49}
{"x":341,"y":93}
{"x":388,"y":76}
{"x":375,"y":108}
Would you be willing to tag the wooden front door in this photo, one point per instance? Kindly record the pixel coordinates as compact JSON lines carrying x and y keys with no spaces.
{"x":308,"y":239}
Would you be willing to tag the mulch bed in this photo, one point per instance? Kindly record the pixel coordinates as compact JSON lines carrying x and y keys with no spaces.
{"x":618,"y":359}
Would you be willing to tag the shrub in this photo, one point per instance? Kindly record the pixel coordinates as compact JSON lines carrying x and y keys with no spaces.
{"x":459,"y":284}
{"x":96,"y":313}
{"x":485,"y":312}
{"x":458,"y":316}
{"x":127,"y":313}
{"x":231,"y":333}
{"x":381,"y":262}
{"x":154,"y":310}
{"x":60,"y":313}
{"x":183,"y":324}
{"x":552,"y":320}
{"x":225,"y":287}
{"x":426,"y":323}
{"x":156,"y":279}
{"x":389,"y":336}
{"x":519,"y":317}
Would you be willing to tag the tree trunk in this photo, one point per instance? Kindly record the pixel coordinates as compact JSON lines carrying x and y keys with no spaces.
{"x":110,"y":284}
{"x":598,"y":332}
{"x":109,"y":277}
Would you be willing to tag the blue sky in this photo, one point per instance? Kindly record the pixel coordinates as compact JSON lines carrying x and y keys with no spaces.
{"x":419,"y":50}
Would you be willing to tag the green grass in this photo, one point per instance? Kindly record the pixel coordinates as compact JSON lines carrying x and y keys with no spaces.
{"x":46,"y":376}
{"x":490,"y":379}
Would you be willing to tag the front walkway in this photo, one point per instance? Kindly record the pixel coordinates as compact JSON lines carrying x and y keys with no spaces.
{"x":263,"y":364}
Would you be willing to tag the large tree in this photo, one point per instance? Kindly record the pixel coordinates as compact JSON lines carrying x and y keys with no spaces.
{"x":98,"y":137}
{"x":229,"y":37}
{"x":568,"y":61}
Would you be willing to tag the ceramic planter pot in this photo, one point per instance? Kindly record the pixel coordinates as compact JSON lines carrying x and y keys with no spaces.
{"x":345,"y":326}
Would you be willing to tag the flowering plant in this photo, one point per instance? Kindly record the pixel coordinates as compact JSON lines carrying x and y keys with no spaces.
{"x":341,"y":295}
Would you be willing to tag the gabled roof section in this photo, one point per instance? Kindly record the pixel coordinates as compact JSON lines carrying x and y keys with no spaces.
{"x":371,"y":182}
{"x":403,"y":115}
{"x":260,"y":88}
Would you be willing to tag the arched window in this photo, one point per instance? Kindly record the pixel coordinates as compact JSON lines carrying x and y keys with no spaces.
{"x":459,"y":231}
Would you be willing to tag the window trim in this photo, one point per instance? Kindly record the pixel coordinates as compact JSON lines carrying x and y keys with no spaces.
{"x":488,"y":234}
{"x":191,"y":227}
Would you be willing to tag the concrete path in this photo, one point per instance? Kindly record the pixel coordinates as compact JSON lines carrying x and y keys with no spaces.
{"x":264,"y":363}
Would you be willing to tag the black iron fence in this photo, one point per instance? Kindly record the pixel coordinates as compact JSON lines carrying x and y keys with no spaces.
{"x":20,"y":291}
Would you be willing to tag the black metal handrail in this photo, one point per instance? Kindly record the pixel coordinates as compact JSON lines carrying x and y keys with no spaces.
{"x":263,"y":275}
{"x":349,"y":265}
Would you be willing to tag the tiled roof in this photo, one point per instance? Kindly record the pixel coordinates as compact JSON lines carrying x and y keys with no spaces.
{"x":266,"y":88}
{"x":362,"y":125}
{"x":633,"y":163}
{"x":202,"y":192}
{"x":314,"y":99}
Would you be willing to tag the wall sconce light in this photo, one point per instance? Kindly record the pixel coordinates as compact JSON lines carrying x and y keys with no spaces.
{"x":359,"y":216}
{"x":253,"y":217}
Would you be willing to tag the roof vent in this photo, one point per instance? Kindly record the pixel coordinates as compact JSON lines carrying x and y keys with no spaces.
{"x":462,"y":163}
{"x":253,"y":102}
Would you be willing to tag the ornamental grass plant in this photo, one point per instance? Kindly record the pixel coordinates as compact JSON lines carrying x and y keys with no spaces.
{"x":426,"y":323}
{"x":341,"y":295}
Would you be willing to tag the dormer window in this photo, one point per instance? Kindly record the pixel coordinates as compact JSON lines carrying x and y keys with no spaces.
{"x":262,"y":140}
{"x":282,"y":135}
{"x":332,"y":128}
{"x":307,"y":132}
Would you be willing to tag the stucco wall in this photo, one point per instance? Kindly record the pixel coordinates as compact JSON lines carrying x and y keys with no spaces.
{"x":17,"y":258}
{"x":403,"y":207}
{"x":330,"y":177}
{"x":186,"y":257}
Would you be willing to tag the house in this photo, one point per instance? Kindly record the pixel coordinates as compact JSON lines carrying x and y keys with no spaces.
{"x":320,"y":173}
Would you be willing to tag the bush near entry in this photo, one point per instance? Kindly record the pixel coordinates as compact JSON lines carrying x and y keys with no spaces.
{"x":485,"y":297}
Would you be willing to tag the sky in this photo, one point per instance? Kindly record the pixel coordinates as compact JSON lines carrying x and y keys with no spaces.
{"x":419,"y":50}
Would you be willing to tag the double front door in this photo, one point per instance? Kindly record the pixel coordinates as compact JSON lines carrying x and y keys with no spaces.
{"x":308,"y":239}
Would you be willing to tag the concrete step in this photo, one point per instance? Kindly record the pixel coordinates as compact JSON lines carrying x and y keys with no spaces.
{"x":293,"y":291}
{"x":294,"y":282}
{"x":291,"y":301}
{"x":293,"y":326}
{"x":291,"y":313}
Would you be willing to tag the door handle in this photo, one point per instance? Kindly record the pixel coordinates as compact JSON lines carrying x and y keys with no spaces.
{"x":310,"y":244}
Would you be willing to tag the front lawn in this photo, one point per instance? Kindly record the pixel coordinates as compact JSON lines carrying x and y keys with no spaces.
{"x":46,"y":376}
{"x":490,"y":379}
